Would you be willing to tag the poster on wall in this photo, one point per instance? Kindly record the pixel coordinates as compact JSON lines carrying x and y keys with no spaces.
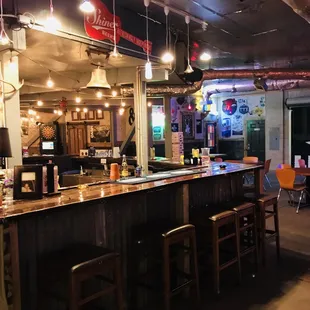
{"x":235,"y":110}
{"x":99,"y":135}
{"x":188,"y":125}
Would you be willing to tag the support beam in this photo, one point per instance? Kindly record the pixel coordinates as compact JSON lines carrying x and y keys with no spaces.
{"x":168,"y":133}
{"x":10,"y":72}
{"x":141,"y":122}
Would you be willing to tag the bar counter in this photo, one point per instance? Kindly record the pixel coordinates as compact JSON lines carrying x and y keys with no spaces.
{"x":105,"y":215}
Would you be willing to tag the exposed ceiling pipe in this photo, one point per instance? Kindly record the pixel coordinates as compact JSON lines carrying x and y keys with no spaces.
{"x":268,"y":74}
{"x":300,"y":7}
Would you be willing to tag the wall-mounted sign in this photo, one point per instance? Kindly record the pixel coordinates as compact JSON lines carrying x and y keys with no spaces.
{"x":100,"y":26}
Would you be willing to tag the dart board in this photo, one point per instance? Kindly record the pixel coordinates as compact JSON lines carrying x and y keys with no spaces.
{"x":48,"y":132}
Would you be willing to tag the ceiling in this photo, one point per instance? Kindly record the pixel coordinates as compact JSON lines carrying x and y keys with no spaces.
{"x":261,"y":33}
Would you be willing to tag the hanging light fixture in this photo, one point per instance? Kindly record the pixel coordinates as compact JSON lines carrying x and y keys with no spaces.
{"x":87,"y":7}
{"x":4,"y":38}
{"x":123,"y":104}
{"x":106,"y":104}
{"x":99,"y":94}
{"x":205,"y":56}
{"x":99,"y":79}
{"x":99,"y":111}
{"x":78,"y":98}
{"x":189,"y":68}
{"x":148,"y":65}
{"x":115,"y":53}
{"x":121,"y":111}
{"x":77,"y":109}
{"x":52,"y":23}
{"x":167,"y":56}
{"x":55,"y":111}
{"x":49,"y":82}
{"x":39,"y":103}
{"x":59,"y":112}
{"x":85,"y":110}
{"x":149,"y":104}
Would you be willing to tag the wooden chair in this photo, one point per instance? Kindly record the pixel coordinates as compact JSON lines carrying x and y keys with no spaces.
{"x":247,"y":230}
{"x":168,"y":243}
{"x":265,"y":213}
{"x":72,"y":267}
{"x":286,"y":178}
{"x":266,"y":171}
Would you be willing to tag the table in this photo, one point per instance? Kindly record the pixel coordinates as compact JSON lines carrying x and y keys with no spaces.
{"x":306,"y":173}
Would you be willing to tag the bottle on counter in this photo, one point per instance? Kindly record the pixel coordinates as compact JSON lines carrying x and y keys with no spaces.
{"x":125,"y":172}
{"x":52,"y":177}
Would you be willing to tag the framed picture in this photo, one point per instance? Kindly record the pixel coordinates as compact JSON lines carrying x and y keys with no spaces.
{"x":83,"y":116}
{"x":99,"y":114}
{"x":99,"y":135}
{"x":188,"y":125}
{"x":75,"y":116}
{"x":91,"y":115}
{"x":28,"y":182}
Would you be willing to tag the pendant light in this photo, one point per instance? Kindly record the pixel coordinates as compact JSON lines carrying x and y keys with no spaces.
{"x":4,"y":38}
{"x":167,"y":56}
{"x":87,"y":7}
{"x":148,"y":65}
{"x":115,"y":53}
{"x":49,"y":82}
{"x":189,"y":68}
{"x":52,"y":24}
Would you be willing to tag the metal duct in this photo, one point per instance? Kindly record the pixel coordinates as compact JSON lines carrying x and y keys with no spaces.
{"x":300,"y":7}
{"x":270,"y":74}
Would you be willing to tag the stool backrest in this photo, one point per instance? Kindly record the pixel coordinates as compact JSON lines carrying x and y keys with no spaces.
{"x":180,"y":233}
{"x":218,"y":159}
{"x":250,"y":160}
{"x":267,"y":165}
{"x":302,"y":163}
{"x":286,"y":178}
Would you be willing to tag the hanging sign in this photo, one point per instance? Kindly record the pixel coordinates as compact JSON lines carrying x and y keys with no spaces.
{"x":100,"y":26}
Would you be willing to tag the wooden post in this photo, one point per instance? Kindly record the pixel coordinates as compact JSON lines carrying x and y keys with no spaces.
{"x":168,"y":133}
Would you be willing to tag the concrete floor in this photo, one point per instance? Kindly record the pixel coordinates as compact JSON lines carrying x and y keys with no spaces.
{"x":284,"y":286}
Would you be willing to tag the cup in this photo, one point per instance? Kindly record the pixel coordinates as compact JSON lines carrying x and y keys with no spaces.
{"x":205,"y":151}
{"x":114,"y":172}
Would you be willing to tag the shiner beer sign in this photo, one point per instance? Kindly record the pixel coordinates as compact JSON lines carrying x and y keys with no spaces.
{"x":100,"y":26}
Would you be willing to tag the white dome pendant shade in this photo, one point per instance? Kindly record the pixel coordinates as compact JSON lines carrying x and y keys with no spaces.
{"x":99,"y":79}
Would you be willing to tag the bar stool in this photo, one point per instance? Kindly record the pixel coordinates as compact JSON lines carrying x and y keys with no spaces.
{"x":219,"y":221}
{"x":62,"y":274}
{"x":247,"y":230}
{"x":263,"y":214}
{"x":170,"y":242}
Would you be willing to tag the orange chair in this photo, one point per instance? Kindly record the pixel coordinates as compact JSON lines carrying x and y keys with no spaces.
{"x":286,"y":166}
{"x":286,"y":178}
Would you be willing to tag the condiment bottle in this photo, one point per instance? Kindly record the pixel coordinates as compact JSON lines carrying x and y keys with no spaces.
{"x":124,"y":167}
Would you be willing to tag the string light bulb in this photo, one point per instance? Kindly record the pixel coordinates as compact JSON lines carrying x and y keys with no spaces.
{"x":59,"y":112}
{"x":77,"y":109}
{"x":121,"y":111}
{"x":123,"y":103}
{"x":52,"y":23}
{"x":87,"y":7}
{"x":85,"y":110}
{"x":189,"y":68}
{"x":55,"y":112}
{"x":99,"y":94}
{"x":148,"y":65}
{"x":78,"y":99}
{"x":49,"y":82}
{"x":149,"y":104}
{"x":106,"y":104}
{"x":39,"y":103}
{"x":167,"y":56}
{"x":99,"y":111}
{"x":115,"y":53}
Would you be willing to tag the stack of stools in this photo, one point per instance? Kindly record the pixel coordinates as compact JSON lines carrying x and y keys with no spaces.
{"x":63,"y":276}
{"x":268,"y":208}
{"x":161,"y":247}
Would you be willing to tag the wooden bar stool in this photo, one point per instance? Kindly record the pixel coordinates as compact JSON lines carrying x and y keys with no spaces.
{"x":219,"y":221}
{"x":171,"y":242}
{"x":247,"y":230}
{"x":265,"y":213}
{"x":62,"y":274}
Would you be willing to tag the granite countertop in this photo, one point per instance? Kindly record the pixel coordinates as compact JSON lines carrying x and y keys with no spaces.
{"x":102,"y":191}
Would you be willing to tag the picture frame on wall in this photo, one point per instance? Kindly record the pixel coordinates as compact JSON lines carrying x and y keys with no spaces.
{"x":188,"y":121}
{"x":99,"y":114}
{"x":83,"y":116}
{"x":28,"y":182}
{"x":75,"y":116}
{"x":91,"y":115}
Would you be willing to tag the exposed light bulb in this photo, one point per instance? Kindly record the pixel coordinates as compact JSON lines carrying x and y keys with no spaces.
{"x":189,"y":69}
{"x":107,"y":104}
{"x":99,"y":94}
{"x":149,"y":104}
{"x":123,"y":103}
{"x":78,"y":99}
{"x":77,"y":109}
{"x":4,"y":39}
{"x":39,"y":103}
{"x":85,"y":110}
{"x":52,"y":24}
{"x":148,"y":70}
{"x":99,"y":111}
{"x":12,"y":64}
{"x":30,"y":112}
{"x":205,"y":56}
{"x":55,"y":112}
{"x":34,"y":112}
{"x":115,"y":53}
{"x":121,"y":111}
{"x":37,"y":117}
{"x":59,"y":112}
{"x":167,"y":57}
{"x":114,"y":93}
{"x":49,"y":83}
{"x":87,"y":7}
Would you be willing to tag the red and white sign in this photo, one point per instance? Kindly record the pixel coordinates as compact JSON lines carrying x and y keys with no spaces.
{"x":100,"y":26}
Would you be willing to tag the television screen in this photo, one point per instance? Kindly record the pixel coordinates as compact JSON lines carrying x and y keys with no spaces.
{"x":48,"y":145}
